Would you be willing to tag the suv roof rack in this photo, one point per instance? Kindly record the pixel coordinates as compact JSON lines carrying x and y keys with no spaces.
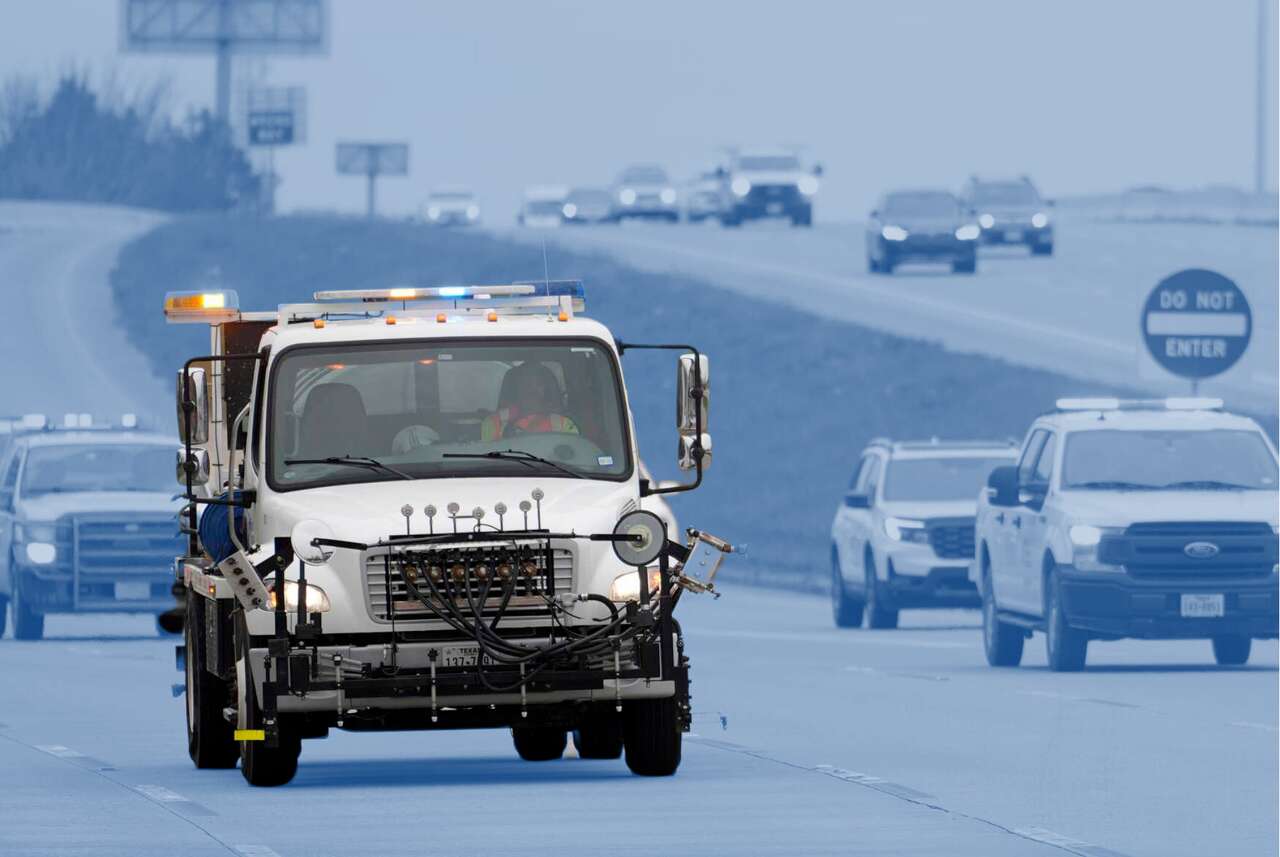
{"x":1173,"y":403}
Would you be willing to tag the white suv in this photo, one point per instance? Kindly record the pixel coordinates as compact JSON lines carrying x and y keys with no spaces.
{"x":903,"y":535}
{"x":1130,"y":519}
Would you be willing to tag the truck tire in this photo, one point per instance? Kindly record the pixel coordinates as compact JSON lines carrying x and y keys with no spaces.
{"x":1067,"y":648}
{"x":1042,"y":249}
{"x":1231,"y":651}
{"x":873,"y":267}
{"x":539,"y":743}
{"x":259,"y":764}
{"x":879,"y":614}
{"x":964,"y":266}
{"x":27,"y":623}
{"x":845,"y":610}
{"x":1002,"y":643}
{"x":210,"y":738}
{"x":600,"y":735}
{"x":651,"y":736}
{"x":730,"y":220}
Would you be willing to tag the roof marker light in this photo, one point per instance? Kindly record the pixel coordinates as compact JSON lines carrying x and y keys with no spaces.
{"x":129,"y":421}
{"x":493,"y":316}
{"x":453,"y":291}
{"x":391,"y":319}
{"x":208,"y":307}
{"x":402,"y":293}
{"x":318,"y":323}
{"x":441,"y":318}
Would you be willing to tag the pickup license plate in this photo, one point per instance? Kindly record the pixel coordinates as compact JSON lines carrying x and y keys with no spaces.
{"x":133,"y":591}
{"x":774,"y":208}
{"x":1203,"y":606}
{"x":462,"y":656}
{"x":1012,"y":235}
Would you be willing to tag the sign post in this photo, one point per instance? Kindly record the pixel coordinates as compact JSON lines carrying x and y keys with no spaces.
{"x":275,"y":116}
{"x":372,"y":160}
{"x":1196,"y":324}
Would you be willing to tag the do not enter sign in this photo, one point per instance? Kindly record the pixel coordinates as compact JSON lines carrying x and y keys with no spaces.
{"x":1196,"y":323}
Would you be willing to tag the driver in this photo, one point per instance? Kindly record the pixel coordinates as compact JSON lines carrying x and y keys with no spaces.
{"x":534,"y":400}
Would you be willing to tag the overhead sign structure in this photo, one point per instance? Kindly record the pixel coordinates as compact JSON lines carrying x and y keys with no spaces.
{"x":372,"y":160}
{"x":1197,"y":323}
{"x":224,"y":27}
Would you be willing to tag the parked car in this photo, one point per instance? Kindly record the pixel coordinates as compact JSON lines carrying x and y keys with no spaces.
{"x":903,"y":535}
{"x":1010,"y":212}
{"x":645,"y":191}
{"x":921,"y":226}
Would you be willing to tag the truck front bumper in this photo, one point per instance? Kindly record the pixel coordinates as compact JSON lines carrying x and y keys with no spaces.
{"x":62,"y":590}
{"x":1119,"y":605}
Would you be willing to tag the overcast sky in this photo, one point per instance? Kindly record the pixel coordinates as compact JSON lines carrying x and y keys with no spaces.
{"x":1087,"y":95}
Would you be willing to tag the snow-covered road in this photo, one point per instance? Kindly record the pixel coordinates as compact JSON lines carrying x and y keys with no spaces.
{"x":808,"y":741}
{"x":1076,"y":312}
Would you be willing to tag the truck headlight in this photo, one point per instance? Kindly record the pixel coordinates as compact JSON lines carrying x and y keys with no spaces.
{"x":626,"y":586}
{"x":894,"y":233}
{"x":1039,"y":220}
{"x":986,"y":221}
{"x":473,"y":212}
{"x":433,"y":212}
{"x":906,"y":530}
{"x":1085,"y":542}
{"x":740,"y":186}
{"x":668,"y":196}
{"x":627,"y":196}
{"x":317,"y":599}
{"x":808,"y":185}
{"x":968,"y":232}
{"x":41,"y":553}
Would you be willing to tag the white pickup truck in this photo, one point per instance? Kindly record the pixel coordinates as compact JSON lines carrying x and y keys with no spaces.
{"x":1149,"y":519}
{"x":425,"y":509}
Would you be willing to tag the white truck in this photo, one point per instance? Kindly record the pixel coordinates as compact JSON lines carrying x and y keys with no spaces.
{"x":423,"y":508}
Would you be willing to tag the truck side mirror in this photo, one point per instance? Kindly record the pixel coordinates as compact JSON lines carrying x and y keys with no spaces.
{"x":856,"y":500}
{"x":1003,"y":485}
{"x":693,"y":405}
{"x":817,"y":170}
{"x":193,"y":405}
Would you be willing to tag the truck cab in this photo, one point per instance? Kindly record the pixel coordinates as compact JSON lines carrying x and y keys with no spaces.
{"x":427,"y":510}
{"x":767,"y":183}
{"x":88,"y":523}
{"x":1147,"y":519}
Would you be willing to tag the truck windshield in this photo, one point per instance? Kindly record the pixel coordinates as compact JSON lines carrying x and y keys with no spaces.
{"x":435,"y":409}
{"x":74,"y":468}
{"x":1012,"y":193}
{"x":921,"y":205}
{"x":1168,"y":460}
{"x":768,"y":163}
{"x":938,"y":479}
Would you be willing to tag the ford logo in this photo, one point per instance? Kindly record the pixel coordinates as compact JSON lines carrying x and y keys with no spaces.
{"x":1201,"y":550}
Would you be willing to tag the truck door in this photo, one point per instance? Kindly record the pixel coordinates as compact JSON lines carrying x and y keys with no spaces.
{"x":1008,"y":574}
{"x":845,"y":527}
{"x":1034,"y":534}
{"x":8,"y":489}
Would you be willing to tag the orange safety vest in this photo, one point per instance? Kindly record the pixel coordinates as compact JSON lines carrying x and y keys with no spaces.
{"x":495,"y":425}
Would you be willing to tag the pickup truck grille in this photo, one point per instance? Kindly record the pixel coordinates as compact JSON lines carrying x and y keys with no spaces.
{"x":952,"y":538}
{"x":123,"y":560}
{"x":1161,"y":549}
{"x":527,"y":599}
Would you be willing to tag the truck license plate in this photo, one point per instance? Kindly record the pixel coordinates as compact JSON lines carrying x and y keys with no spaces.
{"x":1203,"y":606}
{"x":774,"y":208}
{"x":462,"y":656}
{"x":1012,"y":236}
{"x":133,"y":591}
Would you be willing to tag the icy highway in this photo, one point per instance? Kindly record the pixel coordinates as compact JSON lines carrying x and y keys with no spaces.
{"x":808,"y":740}
{"x":1076,"y":312}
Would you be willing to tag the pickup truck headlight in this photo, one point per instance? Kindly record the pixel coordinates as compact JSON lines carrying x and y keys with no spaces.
{"x":1039,"y":220}
{"x":317,"y":599}
{"x":894,"y":233}
{"x":808,"y":185}
{"x":986,"y":221}
{"x":668,"y":196}
{"x":627,"y":196}
{"x":41,"y":553}
{"x":1085,"y":540}
{"x":740,"y":186}
{"x":968,"y":232}
{"x":626,"y":586}
{"x":906,"y":530}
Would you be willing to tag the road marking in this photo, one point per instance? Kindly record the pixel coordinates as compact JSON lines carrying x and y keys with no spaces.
{"x":1066,"y":697}
{"x":1067,"y":843}
{"x":255,"y":851}
{"x":162,"y":795}
{"x":1244,"y":724}
{"x":896,"y":674}
{"x":895,"y":639}
{"x":75,"y":756}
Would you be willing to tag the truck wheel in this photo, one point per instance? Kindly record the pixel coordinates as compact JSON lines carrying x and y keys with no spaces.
{"x":600,"y":735}
{"x":802,"y":219}
{"x":964,"y":266}
{"x":873,"y":267}
{"x":846,"y":611}
{"x":879,"y":615}
{"x":1041,"y":249}
{"x":4,"y":613}
{"x":887,"y":265}
{"x":27,"y":623}
{"x":730,"y":220}
{"x":651,"y":735}
{"x":1002,"y":643}
{"x":261,"y":765}
{"x":210,"y":738}
{"x":1066,"y":647}
{"x":1231,"y":651}
{"x":539,"y":743}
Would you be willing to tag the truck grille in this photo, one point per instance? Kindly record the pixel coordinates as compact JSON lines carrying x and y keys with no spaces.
{"x":952,"y":538}
{"x":772,"y":193}
{"x":528,"y":598}
{"x":118,"y":546}
{"x":1160,"y":549}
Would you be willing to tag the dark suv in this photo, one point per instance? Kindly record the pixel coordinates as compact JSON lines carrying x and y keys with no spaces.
{"x":921,"y":226}
{"x":1010,"y":212}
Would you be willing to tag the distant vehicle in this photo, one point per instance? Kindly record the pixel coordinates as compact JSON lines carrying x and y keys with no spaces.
{"x":704,"y":198}
{"x":903,"y":535}
{"x":1150,"y":519}
{"x":543,"y":207}
{"x":768,"y":183}
{"x":921,"y":226}
{"x":645,"y":191}
{"x":87,"y":523}
{"x":455,"y":207}
{"x":588,"y":205}
{"x":1010,"y":212}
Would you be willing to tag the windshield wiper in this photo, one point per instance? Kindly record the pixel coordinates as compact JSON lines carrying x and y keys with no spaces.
{"x":1207,"y":485}
{"x":1115,"y":485}
{"x":351,"y":461}
{"x":525,"y":458}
